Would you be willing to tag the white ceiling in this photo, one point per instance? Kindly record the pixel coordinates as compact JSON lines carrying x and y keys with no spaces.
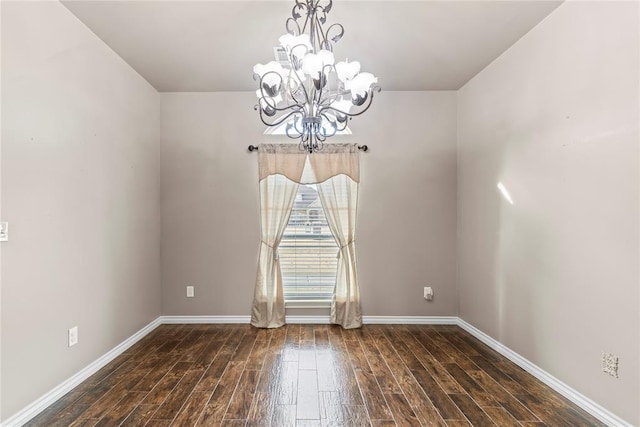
{"x":186,"y":46}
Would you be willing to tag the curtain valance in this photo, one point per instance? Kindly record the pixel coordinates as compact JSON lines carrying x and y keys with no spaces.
{"x":288,"y":160}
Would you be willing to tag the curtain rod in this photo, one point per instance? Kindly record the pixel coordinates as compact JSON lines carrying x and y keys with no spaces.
{"x":253,"y":148}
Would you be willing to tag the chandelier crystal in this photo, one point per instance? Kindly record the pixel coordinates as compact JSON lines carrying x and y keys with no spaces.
{"x":306,"y":88}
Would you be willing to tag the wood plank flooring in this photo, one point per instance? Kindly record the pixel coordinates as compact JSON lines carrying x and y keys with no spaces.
{"x":311,"y":375}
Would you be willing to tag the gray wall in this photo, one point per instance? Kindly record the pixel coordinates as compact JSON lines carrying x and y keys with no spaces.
{"x":407,"y":204}
{"x":555,"y":276}
{"x":80,"y":188}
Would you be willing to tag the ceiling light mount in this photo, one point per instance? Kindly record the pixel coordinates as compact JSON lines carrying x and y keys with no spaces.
{"x":306,"y":89}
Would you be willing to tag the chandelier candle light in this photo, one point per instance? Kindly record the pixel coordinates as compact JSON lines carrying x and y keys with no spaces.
{"x":306,"y":89}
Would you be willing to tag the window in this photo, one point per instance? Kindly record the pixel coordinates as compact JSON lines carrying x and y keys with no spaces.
{"x":308,"y":251}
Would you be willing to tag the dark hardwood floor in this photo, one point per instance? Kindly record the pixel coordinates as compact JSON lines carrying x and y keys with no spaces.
{"x":312,"y":375}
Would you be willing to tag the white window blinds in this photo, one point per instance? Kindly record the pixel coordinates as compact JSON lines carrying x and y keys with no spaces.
{"x":308,"y":251}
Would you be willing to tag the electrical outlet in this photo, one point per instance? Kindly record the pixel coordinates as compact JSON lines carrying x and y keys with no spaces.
{"x":73,"y":336}
{"x":428,"y":293}
{"x":610,"y":364}
{"x":190,"y":292}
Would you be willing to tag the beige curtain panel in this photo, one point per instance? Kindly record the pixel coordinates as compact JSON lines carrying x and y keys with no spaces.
{"x":277,"y":194}
{"x":339,"y":196}
{"x":336,"y":170}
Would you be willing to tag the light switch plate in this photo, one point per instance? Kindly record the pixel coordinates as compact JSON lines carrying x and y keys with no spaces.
{"x":190,"y":292}
{"x":610,"y":364}
{"x":4,"y":231}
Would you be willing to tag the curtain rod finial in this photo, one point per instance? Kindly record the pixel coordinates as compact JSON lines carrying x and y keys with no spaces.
{"x":252,"y":148}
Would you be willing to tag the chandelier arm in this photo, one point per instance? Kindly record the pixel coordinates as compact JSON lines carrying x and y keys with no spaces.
{"x":286,"y":90}
{"x":334,"y":122}
{"x":342,"y":126}
{"x":292,"y":136}
{"x":301,"y":84}
{"x":301,"y":130}
{"x":293,"y":48}
{"x":308,"y":7}
{"x":280,"y":120}
{"x":290,"y":56}
{"x":320,"y":10}
{"x":337,"y":37}
{"x":326,"y":102}
{"x":294,"y":94}
{"x":334,"y":127}
{"x":296,"y":100}
{"x":298,"y":7}
{"x":262,"y":80}
{"x":268,"y":99}
{"x":325,"y":10}
{"x":296,"y":31}
{"x":306,"y":22}
{"x":332,"y":95}
{"x":319,"y":136}
{"x":320,"y":35}
{"x":366,"y":107}
{"x":301,"y":134}
{"x":324,"y":76}
{"x":338,"y":126}
{"x":289,"y":96}
{"x":297,"y":106}
{"x":328,"y":7}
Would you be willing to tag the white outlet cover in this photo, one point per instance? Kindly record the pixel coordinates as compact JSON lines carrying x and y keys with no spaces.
{"x":190,"y":292}
{"x":73,"y":336}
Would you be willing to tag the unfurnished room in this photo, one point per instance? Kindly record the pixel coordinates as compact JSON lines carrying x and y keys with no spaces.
{"x":319,"y":213}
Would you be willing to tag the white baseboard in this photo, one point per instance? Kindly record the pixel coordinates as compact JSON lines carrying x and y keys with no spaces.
{"x":579,"y":399}
{"x":172,"y":320}
{"x":322,"y":320}
{"x":584,"y":402}
{"x":29,"y":412}
{"x":410,"y":320}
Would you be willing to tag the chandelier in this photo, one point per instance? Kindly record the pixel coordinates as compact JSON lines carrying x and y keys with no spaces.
{"x":305,"y":89}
